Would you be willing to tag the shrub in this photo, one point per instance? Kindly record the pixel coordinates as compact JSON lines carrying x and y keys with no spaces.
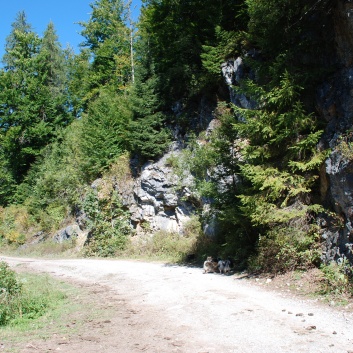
{"x":108,"y":224}
{"x":285,"y":249}
{"x":8,"y":281}
{"x":10,"y":290}
{"x":15,"y":222}
{"x":337,"y":279}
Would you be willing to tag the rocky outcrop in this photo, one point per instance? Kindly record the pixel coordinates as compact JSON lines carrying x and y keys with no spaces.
{"x":233,"y":71}
{"x":71,"y":232}
{"x":158,"y":199}
{"x":335,"y":104}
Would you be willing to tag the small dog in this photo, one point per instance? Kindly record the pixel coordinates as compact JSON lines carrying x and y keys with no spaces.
{"x":224,"y":266}
{"x":210,"y":266}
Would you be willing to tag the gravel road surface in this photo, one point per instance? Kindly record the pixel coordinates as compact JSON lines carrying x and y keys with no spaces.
{"x":167,"y":308}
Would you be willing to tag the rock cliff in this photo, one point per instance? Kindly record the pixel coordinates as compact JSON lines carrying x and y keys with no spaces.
{"x":335,"y":104}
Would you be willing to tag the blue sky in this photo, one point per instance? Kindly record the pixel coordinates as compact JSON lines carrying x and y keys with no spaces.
{"x":64,"y":14}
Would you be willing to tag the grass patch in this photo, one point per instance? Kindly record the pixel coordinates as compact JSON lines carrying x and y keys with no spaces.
{"x":164,"y":245}
{"x":25,"y":297}
{"x":45,"y":249}
{"x":39,"y":311}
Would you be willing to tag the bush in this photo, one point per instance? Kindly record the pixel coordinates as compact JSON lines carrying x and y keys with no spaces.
{"x":10,"y":291}
{"x":108,"y":224}
{"x":8,"y":282}
{"x":15,"y":222}
{"x":285,"y":249}
{"x":337,"y":279}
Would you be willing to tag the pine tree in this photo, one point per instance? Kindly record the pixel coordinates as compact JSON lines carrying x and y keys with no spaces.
{"x":148,"y":136}
{"x":108,"y":40}
{"x":32,"y":96}
{"x":104,"y":132}
{"x":279,"y":153}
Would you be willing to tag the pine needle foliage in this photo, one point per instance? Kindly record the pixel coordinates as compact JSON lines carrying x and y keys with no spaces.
{"x":281,"y":158}
{"x":104,"y":132}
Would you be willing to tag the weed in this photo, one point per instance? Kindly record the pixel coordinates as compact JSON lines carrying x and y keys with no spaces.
{"x":163,"y":245}
{"x":24,"y":300}
{"x":336,"y":280}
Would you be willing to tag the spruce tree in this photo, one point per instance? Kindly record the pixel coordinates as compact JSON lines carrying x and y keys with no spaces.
{"x":104,"y":132}
{"x":32,"y":95}
{"x":108,"y":39}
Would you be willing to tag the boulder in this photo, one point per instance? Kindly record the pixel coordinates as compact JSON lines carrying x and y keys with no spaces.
{"x":71,"y":232}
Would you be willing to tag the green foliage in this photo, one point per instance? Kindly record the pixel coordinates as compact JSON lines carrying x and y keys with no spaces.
{"x":280,"y":154}
{"x":227,"y":45}
{"x":34,"y":105}
{"x":23,"y":301}
{"x":52,"y":186}
{"x":176,"y":32}
{"x":147,"y":135}
{"x":7,"y":182}
{"x":345,"y":146}
{"x":107,"y":222}
{"x":103,"y":132}
{"x":282,"y":249}
{"x":337,"y":279}
{"x":15,"y":223}
{"x":108,"y":40}
{"x":8,"y":282}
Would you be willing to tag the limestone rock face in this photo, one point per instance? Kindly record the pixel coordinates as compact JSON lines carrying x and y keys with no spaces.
{"x":158,"y":200}
{"x":233,"y":71}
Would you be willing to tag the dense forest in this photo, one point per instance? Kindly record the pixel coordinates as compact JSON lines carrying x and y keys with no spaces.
{"x":66,"y":118}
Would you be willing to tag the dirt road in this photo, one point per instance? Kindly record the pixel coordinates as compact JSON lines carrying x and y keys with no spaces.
{"x":162,"y":308}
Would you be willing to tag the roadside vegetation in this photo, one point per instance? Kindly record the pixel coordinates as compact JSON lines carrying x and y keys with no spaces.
{"x":41,"y":308}
{"x":25,"y":298}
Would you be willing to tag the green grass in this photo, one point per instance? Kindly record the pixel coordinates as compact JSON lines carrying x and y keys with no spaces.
{"x":45,"y":249}
{"x":50,"y":302}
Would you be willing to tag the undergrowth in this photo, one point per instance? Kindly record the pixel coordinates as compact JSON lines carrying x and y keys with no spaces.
{"x":164,"y":245}
{"x":26,"y":297}
{"x":337,"y":279}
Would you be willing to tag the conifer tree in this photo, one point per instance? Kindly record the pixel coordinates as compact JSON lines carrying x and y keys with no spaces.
{"x":278,"y":145}
{"x":32,"y":96}
{"x":108,"y":40}
{"x":104,"y":132}
{"x":148,"y":136}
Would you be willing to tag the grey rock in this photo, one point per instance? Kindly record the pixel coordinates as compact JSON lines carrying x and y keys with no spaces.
{"x":67,"y":233}
{"x":233,"y":72}
{"x":160,"y":198}
{"x":334,"y":102}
